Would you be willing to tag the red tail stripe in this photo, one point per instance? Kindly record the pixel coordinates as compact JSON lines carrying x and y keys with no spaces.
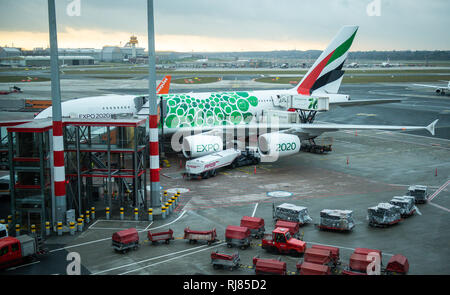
{"x":306,"y":85}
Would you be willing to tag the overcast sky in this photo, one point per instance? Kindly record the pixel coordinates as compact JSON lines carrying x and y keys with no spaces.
{"x":230,"y":25}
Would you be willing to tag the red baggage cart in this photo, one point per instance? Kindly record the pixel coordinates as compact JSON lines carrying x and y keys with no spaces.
{"x":161,"y":236}
{"x":237,"y":236}
{"x":308,"y":268}
{"x":334,"y":252}
{"x":293,"y":227}
{"x":255,"y":224}
{"x":269,"y":266}
{"x":398,"y":264}
{"x":366,"y":251}
{"x":195,"y":235}
{"x":125,"y":240}
{"x":318,"y":256}
{"x":230,"y":261}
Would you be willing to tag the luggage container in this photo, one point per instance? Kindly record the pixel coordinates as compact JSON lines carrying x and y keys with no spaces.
{"x":336,"y":220}
{"x":293,"y":227}
{"x":383,"y":215}
{"x":367,"y":251}
{"x":419,"y":192}
{"x":222,"y":260}
{"x":318,"y":256}
{"x":126,"y":239}
{"x":269,"y":266}
{"x":308,"y":268}
{"x":255,"y":224}
{"x":398,"y":264}
{"x":406,"y":205}
{"x":359,"y":263}
{"x":237,"y":236}
{"x":290,"y":212}
{"x":161,"y":236}
{"x":193,"y":236}
{"x":333,"y":250}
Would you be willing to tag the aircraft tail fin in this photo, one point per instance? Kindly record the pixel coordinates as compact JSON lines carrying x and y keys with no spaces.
{"x":326,"y":73}
{"x":164,"y":86}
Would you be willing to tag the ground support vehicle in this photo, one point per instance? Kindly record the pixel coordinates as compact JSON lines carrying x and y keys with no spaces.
{"x":222,"y":260}
{"x":255,"y":225}
{"x":309,"y":268}
{"x":280,"y":240}
{"x":160,"y":236}
{"x":290,"y":212}
{"x":317,"y":146}
{"x":125,"y":240}
{"x":383,"y":215}
{"x":238,"y":236}
{"x":206,"y":166}
{"x":269,"y":266}
{"x":17,"y":250}
{"x":210,"y":236}
{"x":419,"y":192}
{"x":247,"y":157}
{"x":336,"y":220}
{"x":406,"y":205}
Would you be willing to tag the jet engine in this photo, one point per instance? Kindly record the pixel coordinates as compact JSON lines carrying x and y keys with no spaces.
{"x":277,"y":145}
{"x":200,"y":145}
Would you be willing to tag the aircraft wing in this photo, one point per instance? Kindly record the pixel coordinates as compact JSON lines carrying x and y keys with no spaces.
{"x":429,"y":86}
{"x":309,"y":129}
{"x":350,"y":103}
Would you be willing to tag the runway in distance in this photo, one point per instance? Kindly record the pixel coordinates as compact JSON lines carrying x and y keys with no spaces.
{"x":216,"y":113}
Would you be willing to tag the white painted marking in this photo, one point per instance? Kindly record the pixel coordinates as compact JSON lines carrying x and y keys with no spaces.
{"x":165,"y":261}
{"x":16,"y":267}
{"x":439,"y":190}
{"x":438,"y":206}
{"x":254,"y":210}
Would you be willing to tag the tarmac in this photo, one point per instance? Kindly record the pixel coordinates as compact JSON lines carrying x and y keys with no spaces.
{"x":364,"y":169}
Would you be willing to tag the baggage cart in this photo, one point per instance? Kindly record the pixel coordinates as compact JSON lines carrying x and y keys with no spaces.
{"x":160,"y":236}
{"x":318,"y":256}
{"x":308,"y":268}
{"x":222,"y":260}
{"x":237,"y":236}
{"x":255,"y":224}
{"x":336,"y":220}
{"x":126,"y":239}
{"x":293,"y":227}
{"x":398,"y":264}
{"x":269,"y":266}
{"x":334,"y":253}
{"x":193,"y":236}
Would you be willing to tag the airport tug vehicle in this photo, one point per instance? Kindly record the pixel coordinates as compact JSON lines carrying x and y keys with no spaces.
{"x":280,"y":240}
{"x":18,"y":250}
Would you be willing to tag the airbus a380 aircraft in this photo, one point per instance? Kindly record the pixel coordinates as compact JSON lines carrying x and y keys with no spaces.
{"x":214,"y":112}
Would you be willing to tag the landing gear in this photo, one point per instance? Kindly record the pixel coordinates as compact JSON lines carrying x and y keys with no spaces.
{"x":312,"y":147}
{"x":306,"y":116}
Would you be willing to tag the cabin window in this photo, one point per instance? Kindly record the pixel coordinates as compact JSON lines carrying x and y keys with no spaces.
{"x":4,"y":251}
{"x":15,"y":247}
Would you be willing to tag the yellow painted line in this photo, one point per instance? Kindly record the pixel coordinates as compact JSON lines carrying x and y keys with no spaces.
{"x":224,"y":173}
{"x":244,"y":171}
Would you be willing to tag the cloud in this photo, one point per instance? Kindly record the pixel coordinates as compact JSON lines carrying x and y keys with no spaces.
{"x":284,"y":24}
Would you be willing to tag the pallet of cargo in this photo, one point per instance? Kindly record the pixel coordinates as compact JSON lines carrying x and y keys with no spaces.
{"x":291,"y":212}
{"x":336,"y":220}
{"x":383,"y":215}
{"x":419,"y":192}
{"x":222,"y":260}
{"x":125,"y":240}
{"x":406,"y":205}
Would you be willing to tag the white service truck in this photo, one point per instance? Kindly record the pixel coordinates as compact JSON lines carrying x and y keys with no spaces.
{"x":206,"y":166}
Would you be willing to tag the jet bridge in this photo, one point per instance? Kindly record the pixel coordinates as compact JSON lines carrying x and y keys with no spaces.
{"x":306,"y":106}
